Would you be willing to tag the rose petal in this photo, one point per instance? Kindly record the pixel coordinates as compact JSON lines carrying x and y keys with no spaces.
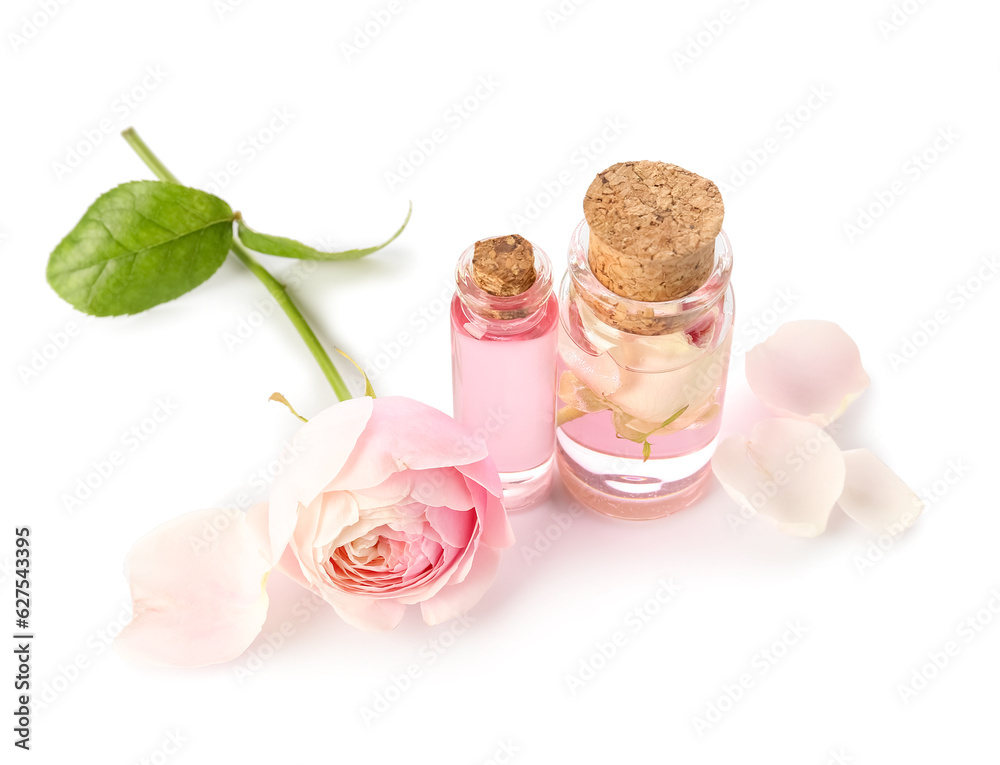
{"x":809,"y":370}
{"x":335,"y":510}
{"x":496,"y":535}
{"x":290,"y":566}
{"x":197,"y":586}
{"x":456,"y":599}
{"x":372,"y":519}
{"x":317,"y":451}
{"x":598,"y":372}
{"x":493,"y":517}
{"x":258,"y":521}
{"x":578,"y":396}
{"x":454,"y":526}
{"x":364,"y":612}
{"x":431,"y":439}
{"x":790,"y":471}
{"x":654,"y":398}
{"x":875,"y":496}
{"x":484,"y":473}
{"x":440,"y":488}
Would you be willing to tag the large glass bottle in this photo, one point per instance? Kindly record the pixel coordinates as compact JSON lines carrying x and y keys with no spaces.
{"x":640,"y":388}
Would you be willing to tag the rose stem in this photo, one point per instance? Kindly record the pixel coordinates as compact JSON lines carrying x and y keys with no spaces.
{"x":275,"y":287}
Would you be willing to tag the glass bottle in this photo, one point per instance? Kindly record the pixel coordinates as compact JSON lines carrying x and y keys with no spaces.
{"x":503,"y":376}
{"x":639,"y":411}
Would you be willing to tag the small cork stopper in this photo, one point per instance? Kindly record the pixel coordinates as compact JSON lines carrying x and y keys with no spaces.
{"x":652,"y":229}
{"x":504,"y":266}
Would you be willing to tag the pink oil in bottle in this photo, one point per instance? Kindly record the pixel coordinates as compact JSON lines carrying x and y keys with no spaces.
{"x":503,"y":375}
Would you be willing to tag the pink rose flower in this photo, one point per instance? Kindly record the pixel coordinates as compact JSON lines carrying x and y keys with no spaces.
{"x":385,"y":503}
{"x":389,"y":503}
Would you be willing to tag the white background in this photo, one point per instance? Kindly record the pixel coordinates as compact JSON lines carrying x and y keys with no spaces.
{"x":891,"y":84}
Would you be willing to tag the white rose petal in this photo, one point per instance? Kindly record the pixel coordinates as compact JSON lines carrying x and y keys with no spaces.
{"x":789,"y":471}
{"x":810,"y":370}
{"x":875,"y":496}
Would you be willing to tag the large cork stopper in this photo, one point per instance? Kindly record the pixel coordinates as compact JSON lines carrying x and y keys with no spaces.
{"x":504,"y":266}
{"x":652,"y":229}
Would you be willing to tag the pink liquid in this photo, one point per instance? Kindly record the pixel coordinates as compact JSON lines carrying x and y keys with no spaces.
{"x":504,"y":387}
{"x":596,"y":431}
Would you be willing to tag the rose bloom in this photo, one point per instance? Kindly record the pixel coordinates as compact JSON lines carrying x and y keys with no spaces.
{"x":383,"y":503}
{"x":389,"y":503}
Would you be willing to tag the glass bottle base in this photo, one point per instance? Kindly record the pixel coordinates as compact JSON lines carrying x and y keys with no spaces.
{"x":525,"y":488}
{"x":631,"y":489}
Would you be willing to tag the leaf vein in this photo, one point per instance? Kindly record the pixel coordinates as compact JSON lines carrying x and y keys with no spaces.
{"x":129,"y":252}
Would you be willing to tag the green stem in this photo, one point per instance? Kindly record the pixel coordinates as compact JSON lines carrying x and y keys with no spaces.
{"x":146,"y":155}
{"x":281,"y":297}
{"x":273,"y":286}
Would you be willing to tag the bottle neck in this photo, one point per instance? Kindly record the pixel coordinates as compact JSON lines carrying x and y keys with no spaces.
{"x":498,"y":314}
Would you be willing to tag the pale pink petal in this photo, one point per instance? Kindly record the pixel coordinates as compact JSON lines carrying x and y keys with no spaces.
{"x":339,"y":509}
{"x":315,"y":454}
{"x":306,"y":523}
{"x":454,"y":526}
{"x":876,"y":497}
{"x":790,"y":471}
{"x":654,"y":398}
{"x":599,"y":373}
{"x":450,"y":569}
{"x":809,"y":370}
{"x":495,"y":532}
{"x":392,"y":491}
{"x":290,"y":566}
{"x":197,"y":586}
{"x":364,"y":612}
{"x":484,"y":473}
{"x":442,"y":487}
{"x":456,"y":599}
{"x":429,"y":439}
{"x":369,"y":520}
{"x":258,"y":522}
{"x":493,"y":518}
{"x":496,"y":536}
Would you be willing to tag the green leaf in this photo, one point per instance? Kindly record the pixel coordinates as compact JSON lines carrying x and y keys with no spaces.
{"x":647,"y":449}
{"x":672,"y":417}
{"x":625,"y":425}
{"x":289,"y":248}
{"x":139,"y":245}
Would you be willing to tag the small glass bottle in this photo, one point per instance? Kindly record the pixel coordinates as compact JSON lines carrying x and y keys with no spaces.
{"x":503,"y":361}
{"x":641,"y":387}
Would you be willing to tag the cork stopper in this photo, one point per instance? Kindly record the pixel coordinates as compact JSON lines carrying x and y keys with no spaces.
{"x":504,"y":266}
{"x":652,"y":229}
